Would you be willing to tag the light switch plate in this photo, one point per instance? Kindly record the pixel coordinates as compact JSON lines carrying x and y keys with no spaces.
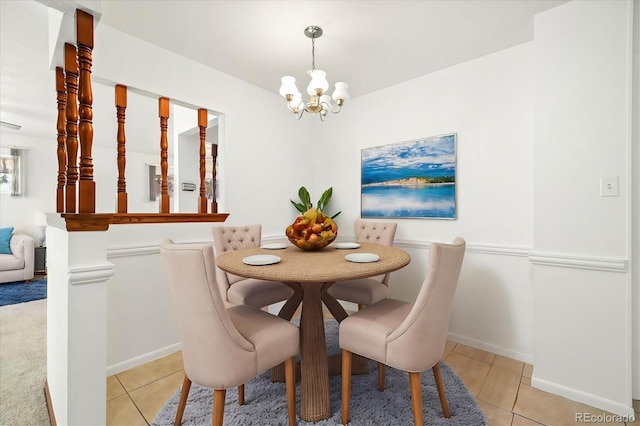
{"x":609,"y":186}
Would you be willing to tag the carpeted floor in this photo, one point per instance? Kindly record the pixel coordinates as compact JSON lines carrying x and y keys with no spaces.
{"x":266,"y":403}
{"x":21,"y":292}
{"x":23,"y":364}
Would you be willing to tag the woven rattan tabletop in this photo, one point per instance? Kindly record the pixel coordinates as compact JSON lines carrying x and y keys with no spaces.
{"x":326,"y":265}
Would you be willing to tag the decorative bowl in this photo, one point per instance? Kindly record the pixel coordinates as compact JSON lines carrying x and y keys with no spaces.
{"x":312,"y":230}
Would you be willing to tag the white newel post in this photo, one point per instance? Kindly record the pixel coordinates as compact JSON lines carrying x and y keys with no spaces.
{"x":77,"y":323}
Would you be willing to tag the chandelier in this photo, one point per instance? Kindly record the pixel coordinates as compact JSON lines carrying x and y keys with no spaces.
{"x":319,"y":102}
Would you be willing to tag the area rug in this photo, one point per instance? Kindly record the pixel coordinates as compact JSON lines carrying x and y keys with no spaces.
{"x":266,"y":403}
{"x":21,"y":292}
{"x":23,"y":364}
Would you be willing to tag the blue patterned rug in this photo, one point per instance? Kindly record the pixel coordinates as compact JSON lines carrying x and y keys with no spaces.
{"x":21,"y":292}
{"x":266,"y":402}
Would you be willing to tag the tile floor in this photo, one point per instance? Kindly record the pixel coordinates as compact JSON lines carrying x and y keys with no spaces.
{"x":501,"y":386}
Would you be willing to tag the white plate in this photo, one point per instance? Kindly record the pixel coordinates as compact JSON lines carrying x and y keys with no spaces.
{"x":261,"y":259}
{"x":274,"y":246}
{"x":362,"y":257}
{"x":346,"y":245}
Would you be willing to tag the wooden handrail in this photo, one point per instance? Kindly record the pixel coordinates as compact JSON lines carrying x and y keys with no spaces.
{"x":75,"y":200}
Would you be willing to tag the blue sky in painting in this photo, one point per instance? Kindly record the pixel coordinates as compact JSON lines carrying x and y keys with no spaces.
{"x":428,"y":157}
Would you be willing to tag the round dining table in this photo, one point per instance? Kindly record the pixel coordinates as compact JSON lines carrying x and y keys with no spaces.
{"x":310,"y":274}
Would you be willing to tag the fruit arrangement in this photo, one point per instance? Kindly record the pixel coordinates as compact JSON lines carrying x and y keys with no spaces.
{"x":313,"y":229}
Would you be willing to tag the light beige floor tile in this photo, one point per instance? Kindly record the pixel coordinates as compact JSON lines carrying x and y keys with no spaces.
{"x":495,"y":416}
{"x":150,"y":398}
{"x":512,"y":365}
{"x":474,"y":353}
{"x":501,"y":386}
{"x":527,"y":371}
{"x":114,"y":388}
{"x":151,"y":371}
{"x":449,"y":345}
{"x":525,"y":381}
{"x":122,"y":411}
{"x":472,"y":371}
{"x":636,"y":420}
{"x":549,"y":409}
{"x":523,"y":421}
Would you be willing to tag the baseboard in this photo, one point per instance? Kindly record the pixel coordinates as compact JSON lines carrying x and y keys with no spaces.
{"x":139,"y":360}
{"x":499,"y":350}
{"x":47,"y":396}
{"x":626,"y":412}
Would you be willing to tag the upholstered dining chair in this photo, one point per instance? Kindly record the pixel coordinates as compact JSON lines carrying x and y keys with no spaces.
{"x":367,"y":291}
{"x":240,"y":290}
{"x":408,"y":337}
{"x":222,"y":348}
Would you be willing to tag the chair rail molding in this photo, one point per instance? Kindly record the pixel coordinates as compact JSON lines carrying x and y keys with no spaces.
{"x":579,"y":262}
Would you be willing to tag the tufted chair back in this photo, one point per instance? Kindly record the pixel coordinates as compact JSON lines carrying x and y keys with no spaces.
{"x":227,"y":238}
{"x":381,"y":233}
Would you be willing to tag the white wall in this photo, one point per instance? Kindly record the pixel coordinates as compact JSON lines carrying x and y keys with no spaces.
{"x":582,"y":286}
{"x":251,"y":155}
{"x":488,"y":102}
{"x":569,"y":88}
{"x":42,"y":168}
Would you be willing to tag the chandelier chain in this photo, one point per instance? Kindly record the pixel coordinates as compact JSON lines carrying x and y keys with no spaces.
{"x":313,"y":54}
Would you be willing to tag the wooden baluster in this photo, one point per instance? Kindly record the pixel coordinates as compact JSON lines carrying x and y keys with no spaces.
{"x":62,"y":136}
{"x":214,"y":203}
{"x":121,"y":106}
{"x":71,"y":114}
{"x":87,"y":187}
{"x":163,"y":104}
{"x":202,"y":123}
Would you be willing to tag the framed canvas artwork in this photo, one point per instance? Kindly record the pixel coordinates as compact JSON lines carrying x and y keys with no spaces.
{"x":413,"y":179}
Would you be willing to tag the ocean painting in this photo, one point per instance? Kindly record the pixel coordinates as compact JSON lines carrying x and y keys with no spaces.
{"x":415,"y":179}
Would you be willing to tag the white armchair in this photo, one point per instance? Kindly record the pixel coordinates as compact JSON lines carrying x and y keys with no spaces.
{"x":18,"y":266}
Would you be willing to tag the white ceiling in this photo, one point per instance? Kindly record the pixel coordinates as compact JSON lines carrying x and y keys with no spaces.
{"x":368,"y":44}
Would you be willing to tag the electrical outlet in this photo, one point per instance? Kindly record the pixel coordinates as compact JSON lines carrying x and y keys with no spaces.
{"x":609,"y":186}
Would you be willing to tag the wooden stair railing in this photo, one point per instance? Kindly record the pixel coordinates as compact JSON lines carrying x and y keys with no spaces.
{"x":76,"y":203}
{"x":61,"y":127}
{"x":202,"y":124}
{"x":86,"y":186}
{"x":121,"y":107}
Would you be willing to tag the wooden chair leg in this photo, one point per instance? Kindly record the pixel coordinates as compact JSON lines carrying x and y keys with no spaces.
{"x":241,"y":394}
{"x":443,"y":397}
{"x":416,"y":397}
{"x":290,"y":380}
{"x":346,"y":385}
{"x":219,"y":395}
{"x":380,"y":376}
{"x":184,"y":394}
